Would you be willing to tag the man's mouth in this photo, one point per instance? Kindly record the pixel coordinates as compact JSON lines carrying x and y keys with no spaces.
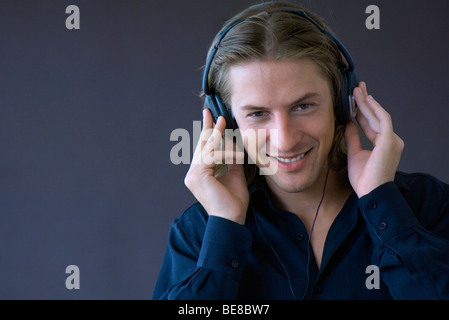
{"x":288,"y":163}
{"x":289,"y":160}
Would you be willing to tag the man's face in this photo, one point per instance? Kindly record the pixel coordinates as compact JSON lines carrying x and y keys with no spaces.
{"x":292,"y":97}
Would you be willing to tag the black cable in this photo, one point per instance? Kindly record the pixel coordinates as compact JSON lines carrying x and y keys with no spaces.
{"x":310,"y":235}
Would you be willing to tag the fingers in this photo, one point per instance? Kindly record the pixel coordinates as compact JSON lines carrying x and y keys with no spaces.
{"x":365,"y":117}
{"x":372,"y":118}
{"x":210,"y":129}
{"x":209,"y":149}
{"x":208,"y":121}
{"x":209,"y":141}
{"x":211,"y":137}
{"x":205,"y":136}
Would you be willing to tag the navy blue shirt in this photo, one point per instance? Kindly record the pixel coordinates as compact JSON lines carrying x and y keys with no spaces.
{"x":393,"y":243}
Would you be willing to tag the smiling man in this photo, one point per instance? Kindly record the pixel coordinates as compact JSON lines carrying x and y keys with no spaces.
{"x":331,"y":210}
{"x":292,"y":97}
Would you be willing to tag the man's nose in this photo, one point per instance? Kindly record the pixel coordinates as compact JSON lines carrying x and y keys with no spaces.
{"x":285,"y":138}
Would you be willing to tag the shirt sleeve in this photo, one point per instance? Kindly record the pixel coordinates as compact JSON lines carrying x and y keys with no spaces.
{"x":207,"y":268}
{"x":413,"y":259}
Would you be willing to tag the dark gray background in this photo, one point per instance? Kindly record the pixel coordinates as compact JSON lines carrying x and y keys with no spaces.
{"x":86,"y":117}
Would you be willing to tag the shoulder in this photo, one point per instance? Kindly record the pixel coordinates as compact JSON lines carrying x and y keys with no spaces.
{"x":426,"y":195}
{"x":421,"y":183}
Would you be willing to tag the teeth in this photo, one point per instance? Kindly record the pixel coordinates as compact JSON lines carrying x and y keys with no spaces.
{"x":288,"y":160}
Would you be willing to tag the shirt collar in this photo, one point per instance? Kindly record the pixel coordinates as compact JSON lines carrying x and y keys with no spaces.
{"x":260,"y":194}
{"x":258,"y":184}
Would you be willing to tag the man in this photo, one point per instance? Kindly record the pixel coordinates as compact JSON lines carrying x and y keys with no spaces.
{"x":328,"y":223}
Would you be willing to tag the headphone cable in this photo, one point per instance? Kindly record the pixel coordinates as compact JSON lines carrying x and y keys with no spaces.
{"x":310,"y":235}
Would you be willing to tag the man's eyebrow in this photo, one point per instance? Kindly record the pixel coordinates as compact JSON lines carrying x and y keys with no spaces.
{"x":294,"y":103}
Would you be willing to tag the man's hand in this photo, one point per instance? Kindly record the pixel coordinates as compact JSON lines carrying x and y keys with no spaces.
{"x":225,"y":196}
{"x":368,"y":169}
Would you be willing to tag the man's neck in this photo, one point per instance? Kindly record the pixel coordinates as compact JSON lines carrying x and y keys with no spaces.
{"x":305,"y":204}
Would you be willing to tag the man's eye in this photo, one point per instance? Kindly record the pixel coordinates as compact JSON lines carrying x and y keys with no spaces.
{"x":304,"y":106}
{"x":257,"y":114}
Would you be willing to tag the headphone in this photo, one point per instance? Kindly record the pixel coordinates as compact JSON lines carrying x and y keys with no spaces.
{"x":346,"y":108}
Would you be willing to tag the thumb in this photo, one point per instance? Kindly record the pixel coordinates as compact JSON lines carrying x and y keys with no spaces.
{"x":236,"y":169}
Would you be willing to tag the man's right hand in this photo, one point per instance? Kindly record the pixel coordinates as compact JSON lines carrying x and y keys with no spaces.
{"x":226,"y":196}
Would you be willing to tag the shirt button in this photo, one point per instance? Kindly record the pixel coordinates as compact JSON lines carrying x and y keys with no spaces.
{"x":234,"y":263}
{"x":300,"y":236}
{"x":382,"y":225}
{"x":372,"y":204}
{"x":318,"y":289}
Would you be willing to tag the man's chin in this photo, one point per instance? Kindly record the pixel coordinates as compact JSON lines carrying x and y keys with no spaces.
{"x":292,"y":184}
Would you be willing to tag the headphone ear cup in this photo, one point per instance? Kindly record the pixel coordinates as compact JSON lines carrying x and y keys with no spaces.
{"x":353,"y":82}
{"x":226,"y":113}
{"x":218,"y":108}
{"x":342,"y":107}
{"x":347,"y":108}
{"x":212,"y":106}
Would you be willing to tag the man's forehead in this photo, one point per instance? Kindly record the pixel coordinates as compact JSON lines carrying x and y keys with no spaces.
{"x":260,"y":83}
